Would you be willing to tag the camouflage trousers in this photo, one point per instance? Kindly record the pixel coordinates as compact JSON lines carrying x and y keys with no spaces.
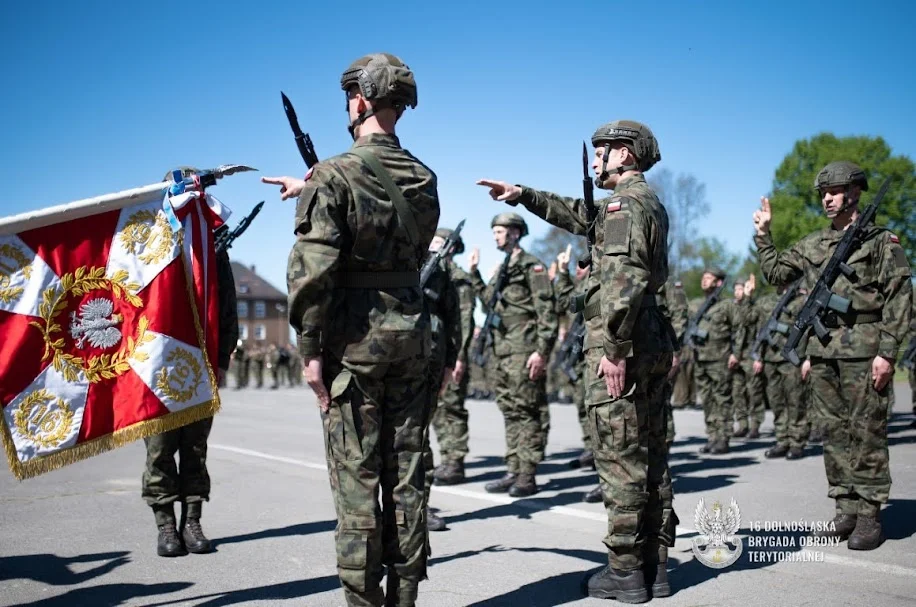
{"x":165,"y":483}
{"x":241,"y":374}
{"x":581,"y":409}
{"x":374,"y":434}
{"x":714,"y":383}
{"x":523,"y":403}
{"x":684,"y":392}
{"x":450,"y":421}
{"x":786,"y":393}
{"x":913,"y":387}
{"x":854,"y":415}
{"x":669,"y":412}
{"x":748,"y":395}
{"x":628,"y":439}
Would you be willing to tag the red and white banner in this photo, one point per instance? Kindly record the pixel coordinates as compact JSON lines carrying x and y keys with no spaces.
{"x":108,"y":328}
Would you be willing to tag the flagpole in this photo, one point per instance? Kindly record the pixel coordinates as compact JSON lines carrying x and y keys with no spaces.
{"x":31,"y":220}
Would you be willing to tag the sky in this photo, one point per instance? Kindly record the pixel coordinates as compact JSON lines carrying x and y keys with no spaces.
{"x":104,"y":96}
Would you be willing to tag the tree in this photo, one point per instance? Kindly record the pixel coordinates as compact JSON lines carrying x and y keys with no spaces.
{"x":684,"y":197}
{"x":547,"y":247}
{"x":797,"y":207}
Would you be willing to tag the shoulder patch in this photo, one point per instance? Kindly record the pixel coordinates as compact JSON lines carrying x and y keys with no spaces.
{"x":678,"y":285}
{"x":309,"y":174}
{"x":894,"y":238}
{"x":538,"y":268}
{"x":614,"y":206}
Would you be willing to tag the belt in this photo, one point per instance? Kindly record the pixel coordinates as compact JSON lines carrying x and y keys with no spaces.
{"x":835,"y":320}
{"x":516,"y":316}
{"x":378,"y":280}
{"x":593,"y":308}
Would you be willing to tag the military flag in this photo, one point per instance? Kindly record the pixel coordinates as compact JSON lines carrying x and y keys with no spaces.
{"x":108,"y":323}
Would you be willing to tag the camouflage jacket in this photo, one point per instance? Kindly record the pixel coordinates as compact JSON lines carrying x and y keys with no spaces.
{"x":445,"y":316}
{"x":726,"y":329}
{"x":228,"y":311}
{"x":674,"y":306}
{"x":346,"y":224}
{"x":772,"y":353}
{"x":751,"y":319}
{"x":467,"y":299}
{"x":629,"y":265}
{"x":567,"y":290}
{"x":880,"y":289}
{"x":527,"y":308}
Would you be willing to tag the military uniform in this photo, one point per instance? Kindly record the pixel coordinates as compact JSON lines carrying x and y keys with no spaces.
{"x":684,"y":393}
{"x":528,"y":324}
{"x":844,"y":397}
{"x":242,"y":363}
{"x":355,"y":302}
{"x":164,"y":481}
{"x":624,"y":321}
{"x":748,"y":387}
{"x":567,"y":291}
{"x":674,"y":307}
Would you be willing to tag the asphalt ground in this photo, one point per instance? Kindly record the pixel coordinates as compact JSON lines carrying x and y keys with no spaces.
{"x":83,"y":536}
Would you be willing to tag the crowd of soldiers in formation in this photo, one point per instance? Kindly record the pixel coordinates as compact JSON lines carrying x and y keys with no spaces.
{"x":281,"y":364}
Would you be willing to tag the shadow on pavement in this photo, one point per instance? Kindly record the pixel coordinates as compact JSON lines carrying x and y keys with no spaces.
{"x":273,"y":592}
{"x":300,"y":529}
{"x":55,"y":570}
{"x":108,"y":595}
{"x":693,"y":484}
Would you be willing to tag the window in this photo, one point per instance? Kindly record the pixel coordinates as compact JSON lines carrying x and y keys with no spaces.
{"x":243,"y":287}
{"x":260,"y":309}
{"x":243,"y":331}
{"x":260,"y":332}
{"x":243,"y":309}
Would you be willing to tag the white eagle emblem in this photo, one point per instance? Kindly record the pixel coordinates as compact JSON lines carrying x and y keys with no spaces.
{"x":717,"y":534}
{"x":96,"y":324}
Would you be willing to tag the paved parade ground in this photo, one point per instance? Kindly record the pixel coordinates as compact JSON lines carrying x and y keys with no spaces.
{"x":82,"y":536}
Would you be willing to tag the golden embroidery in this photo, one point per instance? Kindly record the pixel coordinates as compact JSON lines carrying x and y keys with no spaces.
{"x":51,"y":417}
{"x":21,"y":263}
{"x":179,"y":385}
{"x":54,"y":301}
{"x":150,"y":232}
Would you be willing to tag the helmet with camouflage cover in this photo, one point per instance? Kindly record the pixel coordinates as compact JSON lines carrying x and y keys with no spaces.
{"x":637,"y":137}
{"x":384,"y":80}
{"x":841,"y":173}
{"x":510,"y":220}
{"x":445,"y":234}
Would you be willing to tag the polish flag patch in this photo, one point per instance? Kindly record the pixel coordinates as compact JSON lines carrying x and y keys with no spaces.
{"x":309,"y":174}
{"x":538,"y":268}
{"x":894,"y":239}
{"x":678,"y":284}
{"x":613,"y":206}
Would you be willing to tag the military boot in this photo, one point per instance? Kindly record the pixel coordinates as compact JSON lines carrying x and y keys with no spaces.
{"x":707,"y":447}
{"x":169,"y":542}
{"x":776,"y":451}
{"x":655,"y":572}
{"x":795,"y":453}
{"x":623,"y":586}
{"x":741,"y":432}
{"x":719,"y":447}
{"x":191,"y":531}
{"x":502,"y":485}
{"x":433,"y":522}
{"x":844,"y":525}
{"x":816,"y":435}
{"x":595,"y":496}
{"x":450,"y":473}
{"x":867,"y":534}
{"x":524,"y":486}
{"x":754,"y":433}
{"x":586,"y":459}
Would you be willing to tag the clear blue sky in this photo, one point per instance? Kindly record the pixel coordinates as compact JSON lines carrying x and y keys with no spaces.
{"x":109,"y":96}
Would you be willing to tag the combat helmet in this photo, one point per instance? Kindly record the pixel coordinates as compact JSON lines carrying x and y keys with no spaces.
{"x":384,"y":80}
{"x":510,"y":220}
{"x":445,"y":234}
{"x":841,"y":173}
{"x":637,"y":137}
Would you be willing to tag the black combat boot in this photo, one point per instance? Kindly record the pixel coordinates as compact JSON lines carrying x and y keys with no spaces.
{"x":754,"y":433}
{"x":655,"y":572}
{"x":795,"y":453}
{"x":741,"y":432}
{"x":844,"y":525}
{"x":169,"y":542}
{"x":867,"y":535}
{"x":586,"y":459}
{"x":449,"y":473}
{"x":191,"y":532}
{"x":524,"y":486}
{"x":719,"y":447}
{"x":502,"y":485}
{"x":707,"y":447}
{"x":623,"y":586}
{"x":776,"y":451}
{"x":433,"y":522}
{"x":816,"y":435}
{"x":595,"y":496}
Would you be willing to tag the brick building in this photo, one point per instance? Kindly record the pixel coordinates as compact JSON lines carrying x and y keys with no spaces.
{"x":263,"y":317}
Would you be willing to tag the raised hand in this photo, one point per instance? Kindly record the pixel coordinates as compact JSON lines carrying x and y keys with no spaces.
{"x":473,"y":259}
{"x":500,"y":190}
{"x":563,"y":258}
{"x":762,"y":217}
{"x":290,"y":187}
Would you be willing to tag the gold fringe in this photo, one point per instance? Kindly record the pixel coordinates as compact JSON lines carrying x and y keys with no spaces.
{"x":124,"y":436}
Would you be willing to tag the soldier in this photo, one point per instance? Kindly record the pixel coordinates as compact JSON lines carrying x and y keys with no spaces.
{"x":272,"y":359}
{"x":450,"y":421}
{"x":258,"y":355}
{"x":295,"y":367}
{"x":783,"y":382}
{"x":684,"y":392}
{"x":747,"y":386}
{"x":521,"y":346}
{"x":850,"y":369}
{"x":240,"y":357}
{"x":717,"y":356}
{"x":364,"y":220}
{"x":675,"y":309}
{"x":629,"y":346}
{"x":165,"y":482}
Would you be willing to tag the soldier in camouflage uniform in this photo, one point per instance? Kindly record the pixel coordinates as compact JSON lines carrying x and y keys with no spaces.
{"x":241,"y":361}
{"x":629,"y":348}
{"x":295,"y":367}
{"x":747,"y":386}
{"x":364,"y":220}
{"x":165,"y":482}
{"x":521,"y":346}
{"x":674,"y":307}
{"x":850,"y":370}
{"x":684,"y":393}
{"x":785,"y":390}
{"x":273,"y":365}
{"x":258,"y":354}
{"x":450,"y":421}
{"x":716,"y":357}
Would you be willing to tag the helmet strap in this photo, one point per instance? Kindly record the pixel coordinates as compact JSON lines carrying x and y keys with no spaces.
{"x":603,"y":174}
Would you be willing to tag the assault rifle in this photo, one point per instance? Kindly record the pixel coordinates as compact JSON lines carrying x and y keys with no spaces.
{"x":433,"y":260}
{"x":822,"y":299}
{"x":493,"y":320}
{"x":303,"y":141}
{"x":224,"y":237}
{"x":572,"y":348}
{"x":588,"y":195}
{"x":909,"y":356}
{"x":694,"y":335}
{"x":772,"y":324}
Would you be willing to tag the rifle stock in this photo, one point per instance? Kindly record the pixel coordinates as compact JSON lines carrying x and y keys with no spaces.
{"x":224,"y":237}
{"x":772,"y":324}
{"x":493,"y":320}
{"x":694,"y":335}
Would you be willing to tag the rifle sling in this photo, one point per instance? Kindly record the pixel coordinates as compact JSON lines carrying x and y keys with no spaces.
{"x":835,"y":320}
{"x":394,"y":193}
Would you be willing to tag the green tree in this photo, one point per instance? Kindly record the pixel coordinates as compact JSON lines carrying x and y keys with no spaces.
{"x":797,"y":207}
{"x":547,"y":247}
{"x":684,"y":198}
